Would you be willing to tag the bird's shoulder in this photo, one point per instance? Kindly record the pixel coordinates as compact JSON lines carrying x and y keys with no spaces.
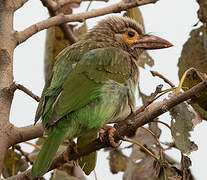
{"x":67,"y":59}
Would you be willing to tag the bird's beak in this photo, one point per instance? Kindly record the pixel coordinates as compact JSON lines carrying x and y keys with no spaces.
{"x":148,"y":42}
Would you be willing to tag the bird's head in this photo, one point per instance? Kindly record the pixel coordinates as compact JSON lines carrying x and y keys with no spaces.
{"x":125,"y":33}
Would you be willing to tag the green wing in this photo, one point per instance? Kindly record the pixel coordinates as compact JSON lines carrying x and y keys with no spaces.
{"x":85,"y":81}
{"x":64,"y":65}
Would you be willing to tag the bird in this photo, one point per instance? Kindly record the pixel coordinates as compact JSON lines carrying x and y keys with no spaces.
{"x":93,"y":83}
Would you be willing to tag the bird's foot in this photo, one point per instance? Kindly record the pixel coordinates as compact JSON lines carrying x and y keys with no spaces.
{"x":72,"y":148}
{"x":110,"y":131}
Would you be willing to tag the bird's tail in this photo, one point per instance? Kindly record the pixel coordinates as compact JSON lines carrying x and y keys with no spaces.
{"x":48,"y":151}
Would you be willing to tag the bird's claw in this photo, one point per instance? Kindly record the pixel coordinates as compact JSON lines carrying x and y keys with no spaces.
{"x":110,"y":130}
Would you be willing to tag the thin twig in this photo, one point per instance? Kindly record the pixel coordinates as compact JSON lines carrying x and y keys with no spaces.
{"x":162,"y":123}
{"x":27,"y":91}
{"x":150,"y":99}
{"x":155,"y":73}
{"x":153,"y":95}
{"x":52,"y":7}
{"x":89,"y":4}
{"x":94,"y":171}
{"x":153,"y":134}
{"x":25,"y":154}
{"x":182,"y":80}
{"x":34,"y":145}
{"x":142,"y":147}
{"x":164,"y":92}
{"x":162,"y":157}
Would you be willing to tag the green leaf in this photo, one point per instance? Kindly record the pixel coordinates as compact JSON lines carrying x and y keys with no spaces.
{"x":193,"y":52}
{"x":54,"y":44}
{"x":181,"y":125}
{"x":193,"y":77}
{"x":13,"y":163}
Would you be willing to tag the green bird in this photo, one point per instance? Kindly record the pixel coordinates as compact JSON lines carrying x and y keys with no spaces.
{"x":93,"y":83}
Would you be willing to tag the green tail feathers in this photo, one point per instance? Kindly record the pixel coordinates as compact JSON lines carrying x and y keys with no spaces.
{"x":47,"y":153}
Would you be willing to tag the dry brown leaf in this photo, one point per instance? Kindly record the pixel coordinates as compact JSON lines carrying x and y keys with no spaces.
{"x":117,"y":161}
{"x":147,"y":169}
{"x":202,"y":12}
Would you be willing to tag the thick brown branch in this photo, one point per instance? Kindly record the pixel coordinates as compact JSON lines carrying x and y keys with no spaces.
{"x":7,"y":45}
{"x":19,"y":3}
{"x":63,"y":2}
{"x":51,"y":5}
{"x":55,"y":6}
{"x":21,"y":134}
{"x":127,"y":127}
{"x":61,"y":18}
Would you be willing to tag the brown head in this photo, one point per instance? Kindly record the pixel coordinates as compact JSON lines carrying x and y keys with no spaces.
{"x":125,"y":33}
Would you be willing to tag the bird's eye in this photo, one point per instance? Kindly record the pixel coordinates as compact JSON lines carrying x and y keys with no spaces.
{"x":131,"y":34}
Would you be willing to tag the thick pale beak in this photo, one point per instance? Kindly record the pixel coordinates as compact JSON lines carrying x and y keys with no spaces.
{"x":148,"y":42}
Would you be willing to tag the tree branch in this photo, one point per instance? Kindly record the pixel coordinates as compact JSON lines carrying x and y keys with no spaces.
{"x":21,"y":134}
{"x":53,"y":8}
{"x":61,"y":18}
{"x":63,"y":2}
{"x":24,"y":154}
{"x":27,"y":91}
{"x":127,"y":127}
{"x":51,"y":5}
{"x":155,"y":73}
{"x":19,"y":3}
{"x":7,"y":45}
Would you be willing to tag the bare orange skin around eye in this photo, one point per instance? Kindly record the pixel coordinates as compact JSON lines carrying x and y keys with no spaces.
{"x":130,"y":40}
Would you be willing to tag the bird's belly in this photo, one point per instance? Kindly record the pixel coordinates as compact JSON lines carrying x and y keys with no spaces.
{"x":114,"y":104}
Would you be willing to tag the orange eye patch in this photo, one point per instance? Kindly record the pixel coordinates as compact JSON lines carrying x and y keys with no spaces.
{"x":130,"y":36}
